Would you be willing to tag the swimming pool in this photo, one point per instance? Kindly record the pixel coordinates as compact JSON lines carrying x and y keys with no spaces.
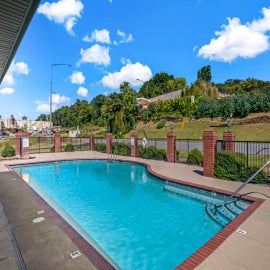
{"x":135,"y":218}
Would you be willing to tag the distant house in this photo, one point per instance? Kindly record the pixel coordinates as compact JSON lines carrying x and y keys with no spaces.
{"x":144,"y":102}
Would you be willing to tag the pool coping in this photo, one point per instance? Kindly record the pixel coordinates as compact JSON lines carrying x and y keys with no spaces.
{"x":101,"y":263}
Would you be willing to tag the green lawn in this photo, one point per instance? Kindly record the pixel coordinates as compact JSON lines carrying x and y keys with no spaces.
{"x":193,"y":129}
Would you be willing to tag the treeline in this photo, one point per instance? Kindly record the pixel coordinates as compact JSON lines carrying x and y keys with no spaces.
{"x":236,"y":105}
{"x":118,"y":112}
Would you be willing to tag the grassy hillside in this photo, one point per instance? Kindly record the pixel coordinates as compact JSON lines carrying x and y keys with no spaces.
{"x":255,"y":127}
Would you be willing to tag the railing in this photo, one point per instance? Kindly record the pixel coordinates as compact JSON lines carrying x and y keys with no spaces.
{"x":184,"y":146}
{"x":100,"y":145}
{"x":7,"y":141}
{"x":152,"y":148}
{"x":245,"y":183}
{"x":254,"y":153}
{"x":39,"y":144}
{"x":79,"y":144}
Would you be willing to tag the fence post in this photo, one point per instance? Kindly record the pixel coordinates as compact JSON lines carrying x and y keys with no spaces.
{"x":22,"y":145}
{"x":134,"y":144}
{"x":209,"y":152}
{"x":229,"y":141}
{"x":91,"y":142}
{"x":109,"y":143}
{"x":57,"y":142}
{"x":171,"y":136}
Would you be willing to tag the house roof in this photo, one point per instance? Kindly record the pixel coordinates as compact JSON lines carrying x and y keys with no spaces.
{"x":168,"y":96}
{"x":15,"y":17}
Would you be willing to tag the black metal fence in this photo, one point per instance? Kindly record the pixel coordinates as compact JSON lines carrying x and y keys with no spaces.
{"x":74,"y":143}
{"x":184,"y":146}
{"x":39,"y":145}
{"x":7,"y":141}
{"x":100,"y":145}
{"x":254,"y":153}
{"x":152,"y":148}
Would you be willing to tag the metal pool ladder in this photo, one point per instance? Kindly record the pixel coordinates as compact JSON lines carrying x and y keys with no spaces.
{"x":245,"y":183}
{"x":112,"y":155}
{"x":229,"y":209}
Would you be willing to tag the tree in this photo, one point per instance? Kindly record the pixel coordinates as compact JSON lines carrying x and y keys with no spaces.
{"x":42,"y":117}
{"x":241,"y":105}
{"x":129,"y":102}
{"x":85,"y":113}
{"x":180,"y":83}
{"x":205,"y":74}
{"x":204,"y":88}
{"x":160,"y":83}
{"x":96,"y":103}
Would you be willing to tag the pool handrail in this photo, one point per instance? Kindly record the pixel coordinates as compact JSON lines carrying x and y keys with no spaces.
{"x":245,"y":183}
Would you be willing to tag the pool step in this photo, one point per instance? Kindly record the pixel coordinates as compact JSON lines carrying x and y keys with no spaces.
{"x":224,"y":214}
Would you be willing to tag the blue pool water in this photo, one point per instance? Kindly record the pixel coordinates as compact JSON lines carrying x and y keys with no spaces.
{"x":125,"y":210}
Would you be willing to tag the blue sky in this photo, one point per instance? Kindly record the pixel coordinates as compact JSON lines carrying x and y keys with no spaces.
{"x":111,"y":41}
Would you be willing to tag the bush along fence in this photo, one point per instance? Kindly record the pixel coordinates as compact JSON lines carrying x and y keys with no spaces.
{"x":234,"y":160}
{"x":226,"y":159}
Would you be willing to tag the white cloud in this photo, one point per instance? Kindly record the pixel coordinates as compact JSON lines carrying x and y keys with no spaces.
{"x":101,"y":36}
{"x":15,"y":69}
{"x":58,"y":99}
{"x":77,"y":77}
{"x":96,"y":54}
{"x":124,"y":37}
{"x":63,"y":12}
{"x":19,"y":68}
{"x":239,"y":40}
{"x":124,"y":60}
{"x":44,"y":107}
{"x":82,"y":91}
{"x":8,"y":79}
{"x":7,"y":91}
{"x":129,"y":73}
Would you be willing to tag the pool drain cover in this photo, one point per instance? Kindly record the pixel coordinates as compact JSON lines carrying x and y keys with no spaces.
{"x":241,"y":231}
{"x":75,"y":254}
{"x":38,"y":220}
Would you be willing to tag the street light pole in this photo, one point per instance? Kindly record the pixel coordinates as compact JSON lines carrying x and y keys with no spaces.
{"x":146,"y":107}
{"x":52,"y":65}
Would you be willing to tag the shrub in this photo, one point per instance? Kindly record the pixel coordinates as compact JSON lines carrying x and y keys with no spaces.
{"x":195,"y":157}
{"x":8,"y":151}
{"x":121,"y":149}
{"x":161,"y":124}
{"x":100,"y":147}
{"x":52,"y":149}
{"x":231,"y":166}
{"x":69,"y":147}
{"x":151,"y":152}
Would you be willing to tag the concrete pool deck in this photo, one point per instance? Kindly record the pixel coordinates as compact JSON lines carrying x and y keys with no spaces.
{"x":46,"y":245}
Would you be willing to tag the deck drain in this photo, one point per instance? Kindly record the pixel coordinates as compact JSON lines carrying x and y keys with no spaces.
{"x":13,"y":179}
{"x":40,"y":212}
{"x":38,"y":220}
{"x":241,"y":231}
{"x":75,"y":254}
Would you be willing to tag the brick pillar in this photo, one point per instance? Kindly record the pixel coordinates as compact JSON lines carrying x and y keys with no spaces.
{"x":57,"y":142}
{"x":171,"y":136}
{"x":134,"y":144}
{"x":229,"y":141}
{"x":22,"y":145}
{"x":109,"y":143}
{"x":91,"y":142}
{"x":209,"y":152}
